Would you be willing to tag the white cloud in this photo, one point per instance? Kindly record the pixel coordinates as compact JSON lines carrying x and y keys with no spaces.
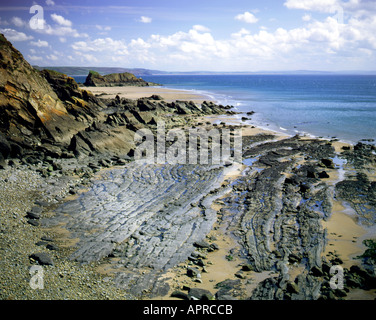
{"x":35,"y":58}
{"x":328,"y":6}
{"x":139,"y":43}
{"x":61,"y":31}
{"x":306,"y":17}
{"x":240,"y":33}
{"x":13,"y":35}
{"x":246,"y":17}
{"x":144,"y":19}
{"x":18,"y":22}
{"x":52,"y":57}
{"x":305,"y":45}
{"x":60,"y":20}
{"x":101,"y":45}
{"x":39,"y":43}
{"x":103,"y":28}
{"x":200,"y":28}
{"x":316,"y":44}
{"x":62,"y":28}
{"x":50,"y":3}
{"x":86,"y":57}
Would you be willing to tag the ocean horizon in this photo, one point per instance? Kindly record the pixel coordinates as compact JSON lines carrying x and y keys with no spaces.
{"x":327,"y":106}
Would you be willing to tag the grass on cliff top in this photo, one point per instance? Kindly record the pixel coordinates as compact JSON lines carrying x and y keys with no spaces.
{"x":94,"y":73}
{"x":53,"y":72}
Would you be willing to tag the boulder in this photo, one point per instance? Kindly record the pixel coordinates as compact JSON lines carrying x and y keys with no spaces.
{"x":179,"y":294}
{"x":316,"y":271}
{"x":328,"y":163}
{"x":42,"y":258}
{"x":202,"y":244}
{"x":192,"y":272}
{"x":200,"y":294}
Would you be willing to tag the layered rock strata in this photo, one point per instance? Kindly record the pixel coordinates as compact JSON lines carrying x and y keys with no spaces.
{"x":147,"y":216}
{"x":45,"y":113}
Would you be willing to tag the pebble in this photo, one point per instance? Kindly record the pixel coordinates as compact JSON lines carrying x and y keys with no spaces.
{"x":22,"y":189}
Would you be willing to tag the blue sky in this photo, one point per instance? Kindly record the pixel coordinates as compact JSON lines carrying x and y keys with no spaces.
{"x":220,"y":35}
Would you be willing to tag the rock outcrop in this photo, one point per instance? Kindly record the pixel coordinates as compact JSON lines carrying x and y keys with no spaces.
{"x":94,"y":79}
{"x":45,"y":113}
{"x":32,"y":111}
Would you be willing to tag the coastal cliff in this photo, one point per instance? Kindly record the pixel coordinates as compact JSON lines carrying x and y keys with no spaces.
{"x":45,"y":113}
{"x":94,"y":79}
{"x":105,"y":227}
{"x":39,"y":109}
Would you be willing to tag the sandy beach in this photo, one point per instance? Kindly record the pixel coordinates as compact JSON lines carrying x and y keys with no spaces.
{"x":226,"y":265}
{"x":169,"y":95}
{"x":340,"y":224}
{"x":344,"y":234}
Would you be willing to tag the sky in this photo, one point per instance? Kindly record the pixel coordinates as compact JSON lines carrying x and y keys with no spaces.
{"x":195,"y":35}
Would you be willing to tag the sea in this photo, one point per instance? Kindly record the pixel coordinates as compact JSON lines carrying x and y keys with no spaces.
{"x":331,"y":106}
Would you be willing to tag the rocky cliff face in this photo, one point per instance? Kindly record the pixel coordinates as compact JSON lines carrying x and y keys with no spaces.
{"x":94,"y":79}
{"x":28,"y":104}
{"x":45,"y":113}
{"x":38,"y":108}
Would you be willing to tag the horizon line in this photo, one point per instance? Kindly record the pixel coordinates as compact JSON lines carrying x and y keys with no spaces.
{"x":222,"y":72}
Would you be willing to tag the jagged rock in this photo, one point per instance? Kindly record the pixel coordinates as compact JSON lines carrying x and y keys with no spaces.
{"x":33,"y":215}
{"x":28,"y":102}
{"x":294,"y":258}
{"x":51,"y":246}
{"x":200,"y":294}
{"x":179,"y":294}
{"x":42,"y":258}
{"x":156,"y":97}
{"x":202,"y":244}
{"x":33,"y":222}
{"x":323,"y":175}
{"x":292,"y":287}
{"x":328,"y":163}
{"x":316,"y":271}
{"x":247,"y":267}
{"x":45,"y":113}
{"x":192,"y":272}
{"x":30,"y":109}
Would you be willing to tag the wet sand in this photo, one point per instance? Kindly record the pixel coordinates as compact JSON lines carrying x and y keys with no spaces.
{"x":345,"y":235}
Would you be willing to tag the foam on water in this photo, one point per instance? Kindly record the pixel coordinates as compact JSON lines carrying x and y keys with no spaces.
{"x":327,"y":106}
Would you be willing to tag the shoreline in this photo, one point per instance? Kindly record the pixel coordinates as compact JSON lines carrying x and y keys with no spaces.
{"x":346,"y":248}
{"x":222,"y":236}
{"x":133,"y":92}
{"x":173,"y":94}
